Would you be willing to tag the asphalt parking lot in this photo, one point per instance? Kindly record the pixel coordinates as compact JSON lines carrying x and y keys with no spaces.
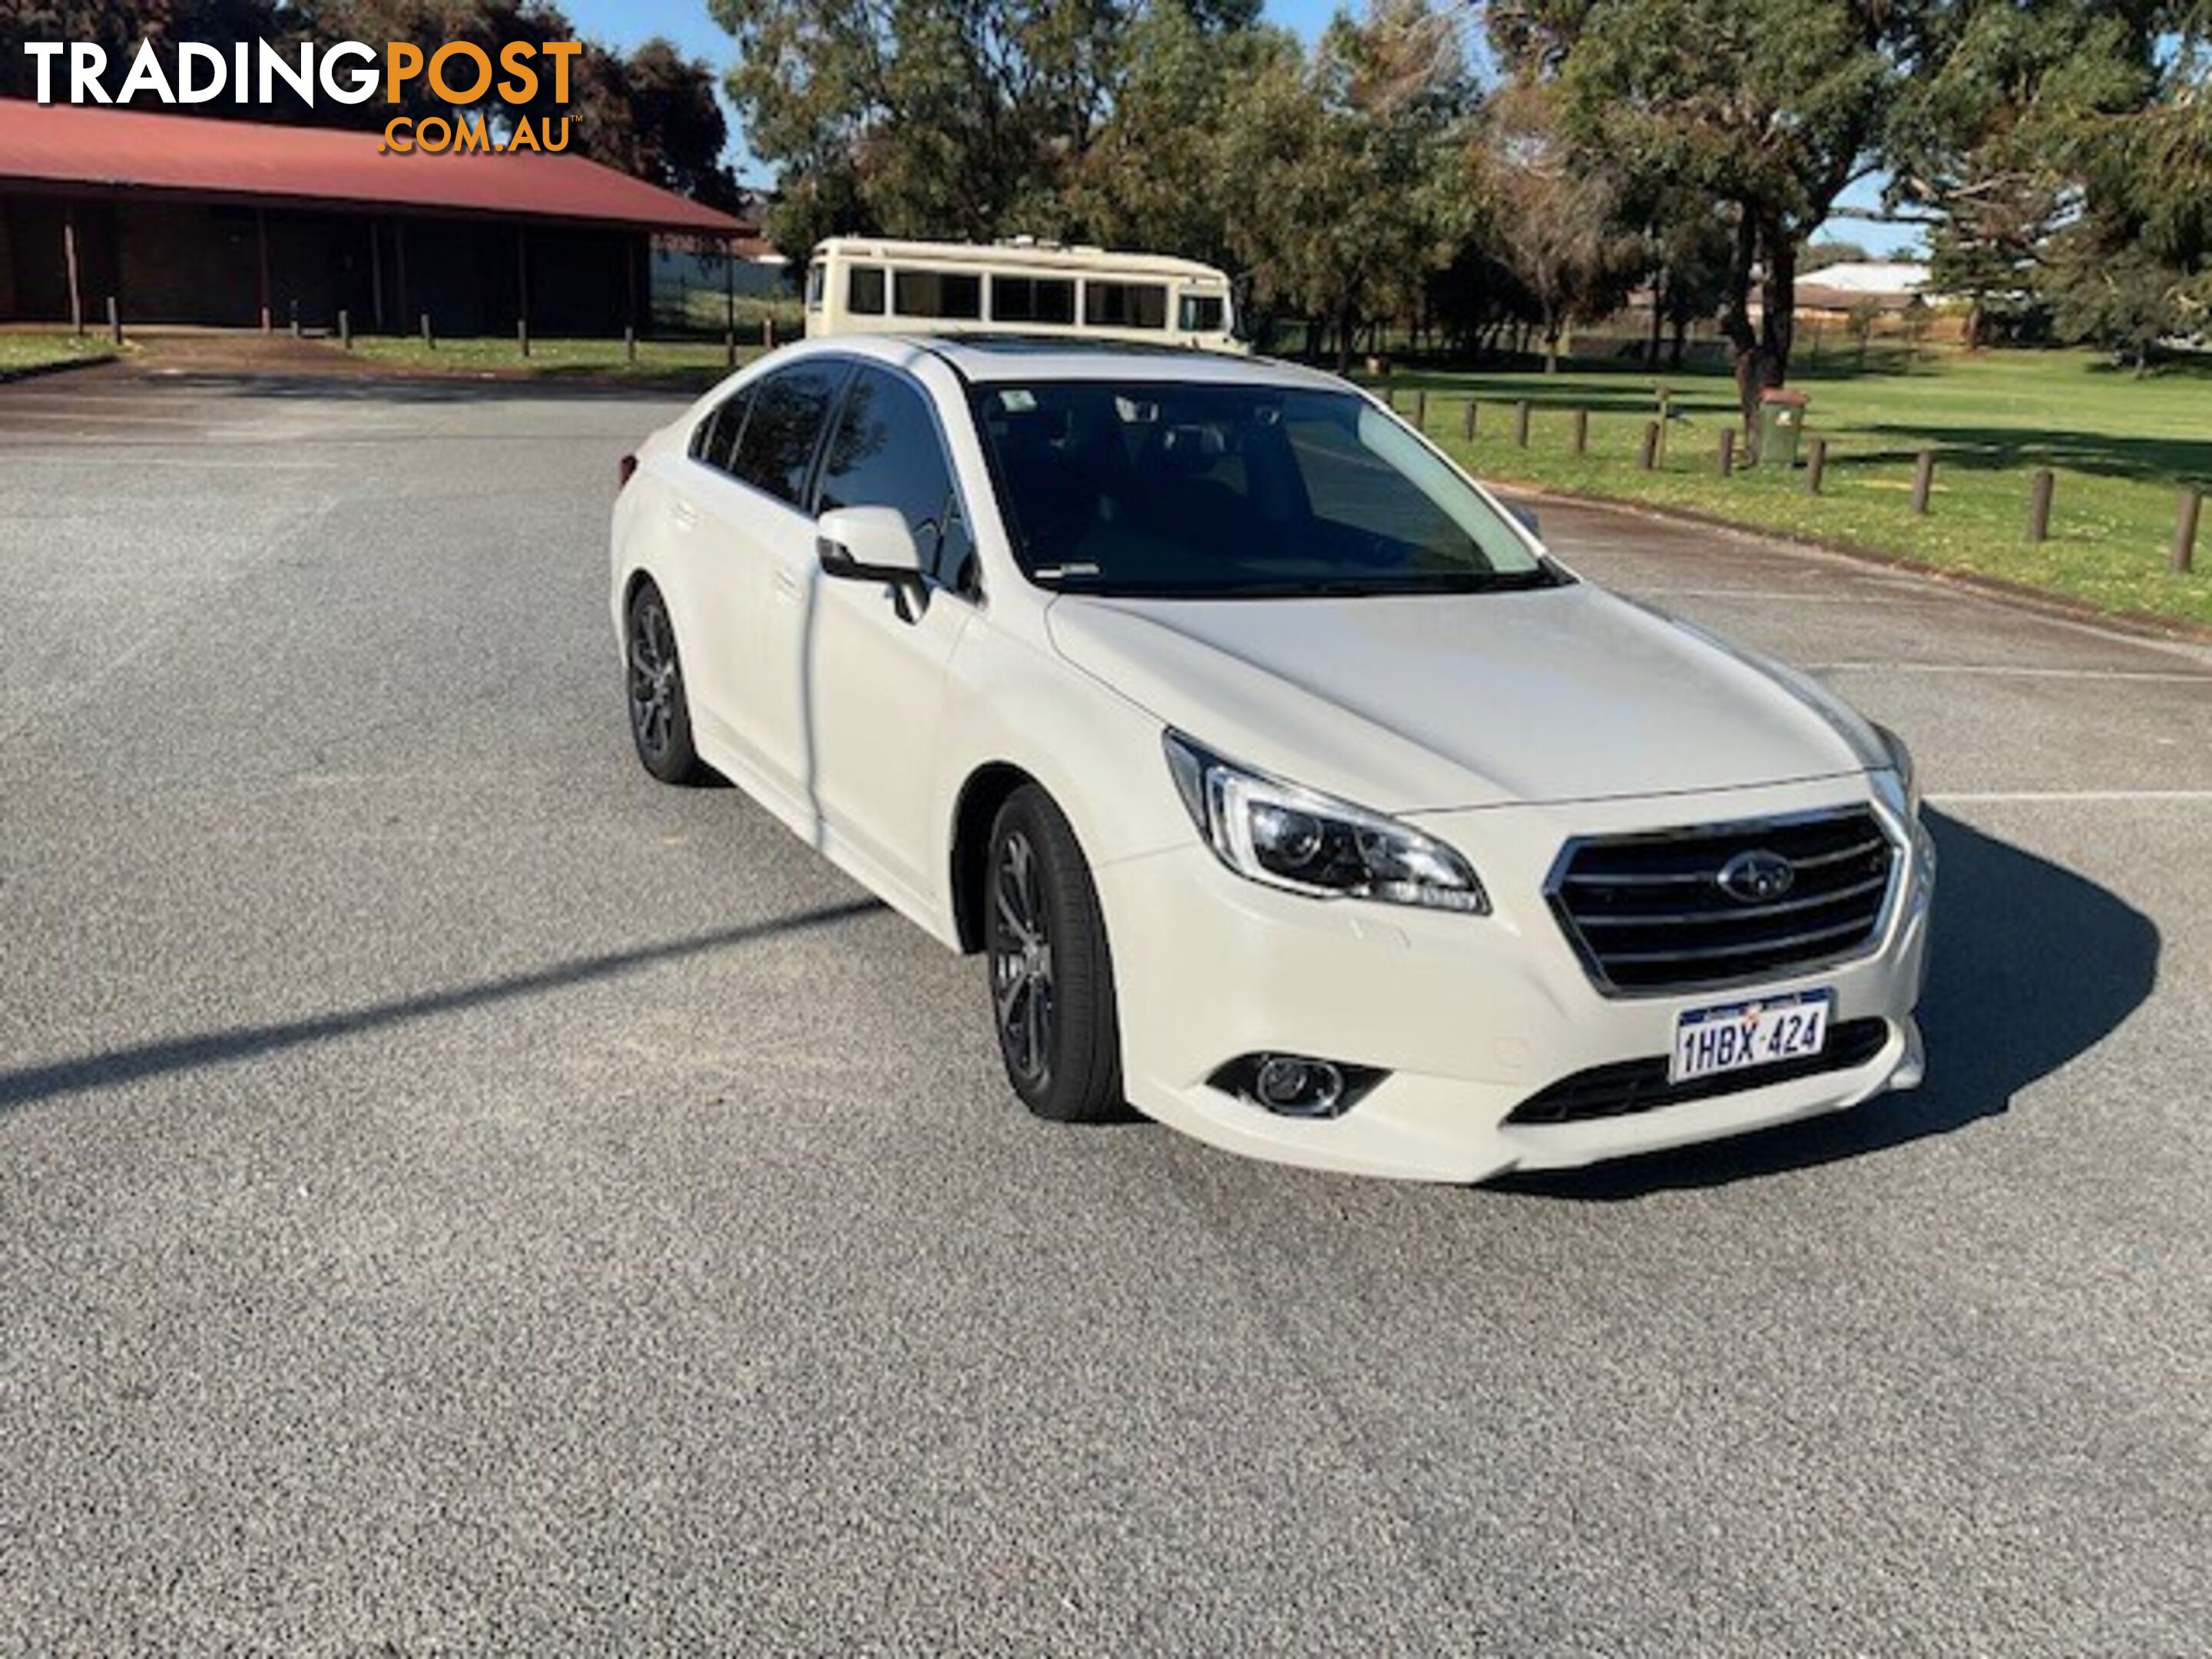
{"x":457,"y":1193}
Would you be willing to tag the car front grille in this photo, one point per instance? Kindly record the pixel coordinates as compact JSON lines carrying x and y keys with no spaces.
{"x":1640,"y":1085}
{"x":1650,"y":913}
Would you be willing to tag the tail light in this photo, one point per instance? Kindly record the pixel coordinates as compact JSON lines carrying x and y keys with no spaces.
{"x":625,"y":470}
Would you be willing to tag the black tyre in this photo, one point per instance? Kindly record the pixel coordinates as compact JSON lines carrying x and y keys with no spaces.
{"x":1051,"y":979}
{"x":659,"y":713}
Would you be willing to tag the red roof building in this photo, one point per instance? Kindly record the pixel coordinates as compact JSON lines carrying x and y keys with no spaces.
{"x":183,"y":219}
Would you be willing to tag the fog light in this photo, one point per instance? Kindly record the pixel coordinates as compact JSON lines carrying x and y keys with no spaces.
{"x":1294,"y":1085}
{"x":1309,"y":1087}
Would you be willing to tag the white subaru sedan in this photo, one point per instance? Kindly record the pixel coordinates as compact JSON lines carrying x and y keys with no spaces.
{"x":1291,"y":791}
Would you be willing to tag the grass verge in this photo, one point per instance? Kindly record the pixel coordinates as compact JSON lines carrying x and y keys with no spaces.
{"x":675,"y":362}
{"x":2122,"y":450}
{"x":27,"y":354}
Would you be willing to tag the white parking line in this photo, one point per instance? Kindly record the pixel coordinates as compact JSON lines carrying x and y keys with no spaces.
{"x":2025,"y":670}
{"x":2059,"y":797}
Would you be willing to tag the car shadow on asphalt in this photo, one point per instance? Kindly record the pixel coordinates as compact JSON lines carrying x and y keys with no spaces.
{"x":114,"y":1066}
{"x":2033,"y":965}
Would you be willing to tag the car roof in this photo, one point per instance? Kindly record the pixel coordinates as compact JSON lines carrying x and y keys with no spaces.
{"x":996,"y":359}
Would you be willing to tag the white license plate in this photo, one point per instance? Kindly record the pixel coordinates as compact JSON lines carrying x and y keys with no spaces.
{"x":1738,"y":1035}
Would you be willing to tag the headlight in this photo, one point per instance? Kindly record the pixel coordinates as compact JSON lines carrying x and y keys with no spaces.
{"x":1901,"y":761}
{"x":1270,"y":831}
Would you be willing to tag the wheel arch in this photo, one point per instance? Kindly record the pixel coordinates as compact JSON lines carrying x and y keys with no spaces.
{"x":984,"y":791}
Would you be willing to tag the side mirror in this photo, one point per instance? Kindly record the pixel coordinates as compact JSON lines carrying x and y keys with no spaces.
{"x":867,"y":544}
{"x":1527,"y":515}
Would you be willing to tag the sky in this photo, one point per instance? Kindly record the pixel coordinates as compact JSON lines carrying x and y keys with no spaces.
{"x":628,"y":23}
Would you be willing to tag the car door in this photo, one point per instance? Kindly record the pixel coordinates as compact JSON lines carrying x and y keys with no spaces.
{"x":873,"y":660}
{"x":754,"y":533}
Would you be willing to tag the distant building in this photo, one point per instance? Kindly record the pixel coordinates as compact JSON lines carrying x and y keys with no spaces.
{"x":1883,"y":285}
{"x":183,"y":219}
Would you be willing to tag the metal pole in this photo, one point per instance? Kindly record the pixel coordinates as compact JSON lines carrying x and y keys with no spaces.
{"x":69,"y":258}
{"x":261,"y":262}
{"x":376,"y":276}
{"x":399,"y":272}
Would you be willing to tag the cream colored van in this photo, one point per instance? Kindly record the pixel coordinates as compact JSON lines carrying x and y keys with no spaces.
{"x":858,"y":285}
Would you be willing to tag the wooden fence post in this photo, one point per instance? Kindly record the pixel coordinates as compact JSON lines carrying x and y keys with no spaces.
{"x":430,"y":341}
{"x":1816,"y":463}
{"x":1924,"y":481}
{"x":294,"y":311}
{"x":1521,"y":413}
{"x":1421,"y":411}
{"x":1725,"y":460}
{"x":1467,"y":420}
{"x":1581,"y":432}
{"x":522,"y":335}
{"x":345,"y":328}
{"x":768,"y":333}
{"x":2184,"y":530}
{"x":114,"y":322}
{"x":1650,"y":457}
{"x":629,"y":342}
{"x":2038,"y":505}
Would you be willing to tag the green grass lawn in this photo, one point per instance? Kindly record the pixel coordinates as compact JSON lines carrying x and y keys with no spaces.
{"x":680,"y":363}
{"x":19,"y":352}
{"x":2122,"y":450}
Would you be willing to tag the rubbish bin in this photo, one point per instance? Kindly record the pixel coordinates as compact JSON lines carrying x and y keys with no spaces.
{"x":1781,"y":420}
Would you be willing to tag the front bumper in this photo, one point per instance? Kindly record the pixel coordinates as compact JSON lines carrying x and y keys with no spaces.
{"x":1470,"y":1015}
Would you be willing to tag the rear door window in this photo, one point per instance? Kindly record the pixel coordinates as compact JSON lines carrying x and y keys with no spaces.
{"x":784,"y":427}
{"x":714,"y":440}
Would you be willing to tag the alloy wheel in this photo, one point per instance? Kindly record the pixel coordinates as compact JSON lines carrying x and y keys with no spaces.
{"x":1021,"y":961}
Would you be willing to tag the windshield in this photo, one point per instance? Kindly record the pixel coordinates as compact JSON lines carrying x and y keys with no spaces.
{"x":1236,"y":491}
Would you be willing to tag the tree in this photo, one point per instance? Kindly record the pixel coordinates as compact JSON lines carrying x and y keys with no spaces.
{"x":1830,"y":250}
{"x":953,"y":118}
{"x":1160,"y":174}
{"x":1691,"y":243}
{"x":1554,"y":219}
{"x":655,"y":115}
{"x":1981,"y":142}
{"x":1769,"y":107}
{"x":1349,"y":169}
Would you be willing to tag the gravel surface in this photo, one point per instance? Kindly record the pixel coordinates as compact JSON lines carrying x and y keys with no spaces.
{"x":457,"y":1194}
